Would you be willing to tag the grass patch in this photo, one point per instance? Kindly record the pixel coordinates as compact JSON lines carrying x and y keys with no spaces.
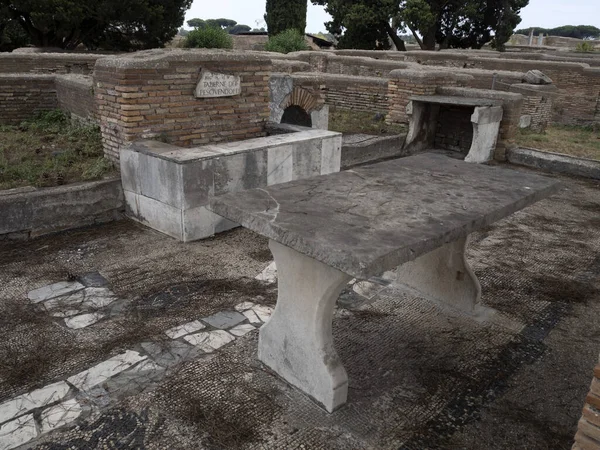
{"x":49,"y":150}
{"x":355,"y":122}
{"x":583,"y":142}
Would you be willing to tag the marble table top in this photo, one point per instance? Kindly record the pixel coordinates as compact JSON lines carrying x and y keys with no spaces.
{"x":373,"y":218}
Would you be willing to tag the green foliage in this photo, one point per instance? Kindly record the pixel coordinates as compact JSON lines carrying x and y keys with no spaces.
{"x":572,"y":31}
{"x":49,"y":150}
{"x":284,"y":15}
{"x":286,"y":42}
{"x":450,"y":23}
{"x":106,"y":24}
{"x":585,"y":47}
{"x":209,"y":37}
{"x":230,"y":26}
{"x":12,"y":35}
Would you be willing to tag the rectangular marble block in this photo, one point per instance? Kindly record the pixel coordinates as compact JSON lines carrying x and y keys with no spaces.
{"x":168,"y":188}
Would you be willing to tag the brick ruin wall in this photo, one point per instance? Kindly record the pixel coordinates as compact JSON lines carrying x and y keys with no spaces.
{"x":75,"y":95}
{"x":48,"y":63}
{"x":364,"y":94}
{"x":22,"y":95}
{"x":588,"y":428}
{"x":150,"y":95}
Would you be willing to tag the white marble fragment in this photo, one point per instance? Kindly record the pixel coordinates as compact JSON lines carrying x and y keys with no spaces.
{"x":263,"y":312}
{"x":269,"y":274}
{"x":83,"y":320}
{"x":54,"y":290}
{"x":98,"y":297}
{"x":241,"y":307}
{"x":210,"y":341}
{"x":105,"y":370}
{"x":66,"y":313}
{"x":35,"y":399}
{"x":367,"y":289}
{"x":60,"y":415}
{"x":252,"y":317}
{"x":242,"y":329}
{"x":187,"y":328}
{"x":18,"y":432}
{"x":65,"y":302}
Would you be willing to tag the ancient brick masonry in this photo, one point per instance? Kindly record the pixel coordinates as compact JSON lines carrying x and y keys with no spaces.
{"x":151,"y":95}
{"x":22,"y":95}
{"x":405,"y":83}
{"x":48,"y":63}
{"x":588,"y":430}
{"x":75,"y":96}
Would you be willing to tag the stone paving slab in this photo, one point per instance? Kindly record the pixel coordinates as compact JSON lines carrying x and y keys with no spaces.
{"x":373,"y":218}
{"x":36,"y":399}
{"x":17,"y":432}
{"x":54,"y":290}
{"x":106,"y":369}
{"x":225,"y":319}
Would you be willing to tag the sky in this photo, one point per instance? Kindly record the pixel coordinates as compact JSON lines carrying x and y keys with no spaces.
{"x":540,"y":13}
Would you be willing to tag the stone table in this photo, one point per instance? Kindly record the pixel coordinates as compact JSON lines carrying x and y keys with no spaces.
{"x":413,"y":213}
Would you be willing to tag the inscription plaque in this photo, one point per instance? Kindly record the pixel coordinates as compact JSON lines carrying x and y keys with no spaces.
{"x":213,"y":84}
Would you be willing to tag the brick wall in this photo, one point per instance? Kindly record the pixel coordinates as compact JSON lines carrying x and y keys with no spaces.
{"x":454,"y":130}
{"x":327,"y":62}
{"x":405,"y":83}
{"x":23,"y":95}
{"x":47,"y":63}
{"x":76,"y":97}
{"x":578,"y":84}
{"x":588,"y":429}
{"x":512,"y":104}
{"x":367,"y":94}
{"x":537,"y":103}
{"x":150,"y":94}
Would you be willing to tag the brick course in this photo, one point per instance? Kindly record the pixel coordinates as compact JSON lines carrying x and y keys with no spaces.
{"x":588,"y":428}
{"x":23,"y":95}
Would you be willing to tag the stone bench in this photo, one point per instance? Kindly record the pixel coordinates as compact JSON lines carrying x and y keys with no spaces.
{"x":168,"y":188}
{"x":412,"y":214}
{"x":423,"y":116}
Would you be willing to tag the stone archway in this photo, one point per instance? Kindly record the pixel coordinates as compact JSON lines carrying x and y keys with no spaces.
{"x":296,"y":115}
{"x":296,"y":105}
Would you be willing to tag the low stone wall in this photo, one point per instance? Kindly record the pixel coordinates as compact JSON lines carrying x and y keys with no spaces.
{"x":328,"y":62}
{"x":151,"y":94}
{"x":48,"y":63}
{"x":538,"y":101}
{"x":22,"y":95}
{"x":75,"y":95}
{"x":44,"y":211}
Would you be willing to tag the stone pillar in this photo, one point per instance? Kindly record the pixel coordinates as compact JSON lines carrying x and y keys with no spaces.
{"x":153,"y":95}
{"x":405,"y":83}
{"x":541,"y":39}
{"x":538,"y":101}
{"x":531,"y":37}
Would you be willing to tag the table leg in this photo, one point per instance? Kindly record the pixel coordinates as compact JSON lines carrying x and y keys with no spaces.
{"x":444,"y":276}
{"x":297,"y":341}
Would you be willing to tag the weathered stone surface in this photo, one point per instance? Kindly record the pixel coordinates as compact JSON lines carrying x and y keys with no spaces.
{"x":269,"y":274}
{"x":242,"y":330}
{"x":537,"y":77}
{"x":54,"y":290}
{"x":225,"y":319}
{"x":211,"y":341}
{"x":213,"y":84}
{"x":555,"y":162}
{"x":93,"y":279}
{"x":455,"y":100}
{"x":374,"y":218}
{"x":186,"y":328}
{"x":35,"y":399}
{"x":169,"y":353}
{"x":60,"y":415}
{"x":17,"y":432}
{"x":83,"y":320}
{"x":106,"y":369}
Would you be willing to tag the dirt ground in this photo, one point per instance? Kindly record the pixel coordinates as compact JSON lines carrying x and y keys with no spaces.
{"x":420,"y":377}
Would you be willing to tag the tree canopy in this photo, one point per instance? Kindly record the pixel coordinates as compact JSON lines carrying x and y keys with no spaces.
{"x":106,"y":24}
{"x":572,"y":31}
{"x":230,"y":26}
{"x":370,"y":24}
{"x":285,"y":15}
